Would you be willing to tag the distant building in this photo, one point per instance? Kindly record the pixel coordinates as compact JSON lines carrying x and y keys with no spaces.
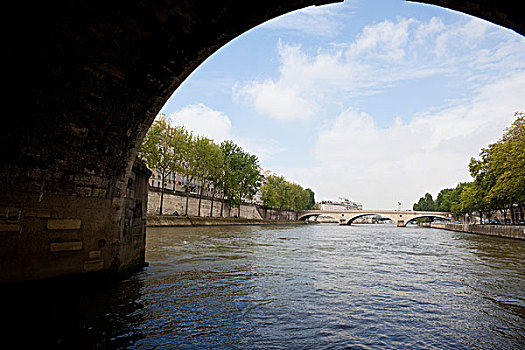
{"x":343,"y":204}
{"x":178,"y":182}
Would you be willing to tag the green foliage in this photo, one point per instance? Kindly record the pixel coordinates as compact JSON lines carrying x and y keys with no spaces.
{"x":507,"y":164}
{"x":279,"y":193}
{"x":227,"y":167}
{"x":311,"y":199}
{"x":471,"y":199}
{"x":449,"y":199}
{"x":425,"y":203}
{"x":163,"y":148}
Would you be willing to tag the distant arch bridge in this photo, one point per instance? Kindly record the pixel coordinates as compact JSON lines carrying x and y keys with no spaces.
{"x":401,"y":218}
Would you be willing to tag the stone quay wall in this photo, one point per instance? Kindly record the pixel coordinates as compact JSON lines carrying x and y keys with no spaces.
{"x":176,"y":201}
{"x":508,"y":231}
{"x":167,"y":220}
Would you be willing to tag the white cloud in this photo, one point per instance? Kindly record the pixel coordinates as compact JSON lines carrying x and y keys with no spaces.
{"x":324,"y":21}
{"x":381,"y":166}
{"x":380,"y":57}
{"x":276,"y":100}
{"x":265,"y":149}
{"x":427,"y":30}
{"x":307,"y":82}
{"x":466,"y":36}
{"x":203,"y":121}
{"x":385,"y":40}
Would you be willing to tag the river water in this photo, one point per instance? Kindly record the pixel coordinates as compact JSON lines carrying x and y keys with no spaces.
{"x":298,"y":287}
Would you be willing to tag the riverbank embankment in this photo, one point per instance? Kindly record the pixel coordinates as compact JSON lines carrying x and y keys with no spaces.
{"x":174,"y":221}
{"x":508,"y":231}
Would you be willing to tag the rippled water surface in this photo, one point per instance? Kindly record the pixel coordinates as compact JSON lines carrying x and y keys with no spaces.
{"x":301,"y":287}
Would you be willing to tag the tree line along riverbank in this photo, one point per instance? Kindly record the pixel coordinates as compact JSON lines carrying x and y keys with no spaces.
{"x":224,"y":172}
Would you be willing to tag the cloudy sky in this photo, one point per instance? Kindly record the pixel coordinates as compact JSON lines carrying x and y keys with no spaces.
{"x":378,"y":101}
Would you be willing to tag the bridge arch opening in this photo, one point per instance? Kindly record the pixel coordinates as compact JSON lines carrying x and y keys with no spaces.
{"x":431,"y":217}
{"x":315,"y":217}
{"x":378,"y":218}
{"x":90,"y":78}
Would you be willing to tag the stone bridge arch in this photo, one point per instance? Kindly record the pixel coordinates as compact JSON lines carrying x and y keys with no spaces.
{"x":312,"y":215}
{"x":400,"y":218}
{"x":427,"y":216}
{"x":355,"y":217}
{"x":84,"y":81}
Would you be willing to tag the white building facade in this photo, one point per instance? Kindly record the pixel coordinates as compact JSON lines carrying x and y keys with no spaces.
{"x":342,"y":205}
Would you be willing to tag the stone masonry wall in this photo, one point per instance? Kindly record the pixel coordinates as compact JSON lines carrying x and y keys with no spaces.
{"x":509,"y":231}
{"x":176,"y":201}
{"x":46,"y":235}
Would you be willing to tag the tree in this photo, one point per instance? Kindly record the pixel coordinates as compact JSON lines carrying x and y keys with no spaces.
{"x":241,"y":178}
{"x":449,"y":199}
{"x":279,"y":193}
{"x":230,"y":156}
{"x":204,"y":151}
{"x":157,"y":152}
{"x":484,"y":179}
{"x":507,"y":164}
{"x":425,"y":203}
{"x":311,"y":199}
{"x":471,"y":200}
{"x":269,"y":192}
{"x":250,"y":177}
{"x":190,"y":165}
{"x":439,"y":203}
{"x":273,"y":192}
{"x":215,"y":171}
{"x":245,"y":178}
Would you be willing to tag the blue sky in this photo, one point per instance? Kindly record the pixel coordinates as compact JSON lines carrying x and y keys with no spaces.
{"x":378,"y":101}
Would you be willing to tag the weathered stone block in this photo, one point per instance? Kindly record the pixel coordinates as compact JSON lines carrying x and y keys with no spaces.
{"x":57,"y":175}
{"x":35,"y":174}
{"x":83,"y":191}
{"x":78,"y":131}
{"x":99,"y":192}
{"x":9,"y":212}
{"x":88,"y":180}
{"x":64,"y":224}
{"x":95,"y":254}
{"x":10,"y":227}
{"x":116,"y":203}
{"x":93,"y":265}
{"x":120,"y":184}
{"x":37,"y":212}
{"x":65,"y":246}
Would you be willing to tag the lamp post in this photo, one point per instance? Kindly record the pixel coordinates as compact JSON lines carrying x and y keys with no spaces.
{"x":398,"y":206}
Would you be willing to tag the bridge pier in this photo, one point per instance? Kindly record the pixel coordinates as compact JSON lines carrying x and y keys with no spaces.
{"x":99,"y":230}
{"x":400,"y":223}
